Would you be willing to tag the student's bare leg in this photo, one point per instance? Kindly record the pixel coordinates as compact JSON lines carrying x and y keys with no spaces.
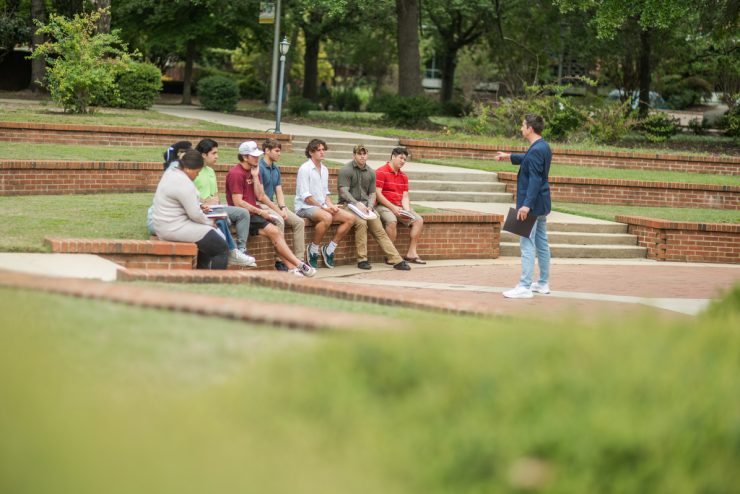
{"x":347,"y":221}
{"x":414,"y":235}
{"x":273,"y":233}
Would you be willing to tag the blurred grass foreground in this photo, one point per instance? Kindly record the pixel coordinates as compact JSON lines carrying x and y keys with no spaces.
{"x":99,"y":398}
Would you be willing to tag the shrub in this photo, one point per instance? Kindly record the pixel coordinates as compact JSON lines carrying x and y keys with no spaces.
{"x":218,"y":93}
{"x":731,"y":123}
{"x":252,"y":88}
{"x":478,"y":122}
{"x":76,"y":56}
{"x":137,"y":84}
{"x":658,"y":127}
{"x":300,"y":106}
{"x":698,"y":126}
{"x":380,"y":103}
{"x":457,"y":107}
{"x":408,"y":111}
{"x":610,"y":123}
{"x":345,"y":100}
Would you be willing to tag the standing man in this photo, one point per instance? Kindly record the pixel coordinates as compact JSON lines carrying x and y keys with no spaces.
{"x":273,"y":190}
{"x":242,"y":190}
{"x":312,"y":201}
{"x":392,"y":188}
{"x":207,"y":187}
{"x":356,"y":185}
{"x":532,"y":197}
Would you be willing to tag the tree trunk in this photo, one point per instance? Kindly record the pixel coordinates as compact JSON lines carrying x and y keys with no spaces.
{"x":38,"y":65}
{"x":103,"y":23}
{"x":449,"y":64}
{"x":409,"y":61}
{"x":311,"y":66}
{"x":188,"y":78}
{"x":644,"y":73}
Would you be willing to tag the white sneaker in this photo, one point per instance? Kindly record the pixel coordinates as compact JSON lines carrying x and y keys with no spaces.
{"x":296,"y":272}
{"x":543,"y":288}
{"x":306,"y":270}
{"x":241,"y":259}
{"x":519,"y":292}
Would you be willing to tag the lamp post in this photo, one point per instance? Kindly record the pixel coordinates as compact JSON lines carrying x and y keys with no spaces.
{"x":284,"y":47}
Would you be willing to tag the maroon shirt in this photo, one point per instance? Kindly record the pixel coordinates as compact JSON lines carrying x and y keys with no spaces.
{"x":240,"y":181}
{"x":391,"y":184}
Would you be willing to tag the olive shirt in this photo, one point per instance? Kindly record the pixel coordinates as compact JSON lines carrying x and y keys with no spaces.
{"x":356,"y":184}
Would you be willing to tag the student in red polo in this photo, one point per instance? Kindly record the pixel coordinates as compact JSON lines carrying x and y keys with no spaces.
{"x":392,"y":187}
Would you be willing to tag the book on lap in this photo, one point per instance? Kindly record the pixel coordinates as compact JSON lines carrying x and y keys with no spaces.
{"x":370,"y":215}
{"x":521,"y":228}
{"x":406,"y":214}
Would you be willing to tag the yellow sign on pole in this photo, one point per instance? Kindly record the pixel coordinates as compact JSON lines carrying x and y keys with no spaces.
{"x":267,"y":12}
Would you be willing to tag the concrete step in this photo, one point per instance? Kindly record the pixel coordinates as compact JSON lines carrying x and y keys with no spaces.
{"x":439,"y":195}
{"x":463,"y":176}
{"x":579,"y":238}
{"x":511,"y":249}
{"x":349,"y":141}
{"x":587,"y":227}
{"x":457,"y":186}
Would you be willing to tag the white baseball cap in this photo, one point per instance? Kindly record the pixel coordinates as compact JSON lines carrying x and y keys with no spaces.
{"x":250,"y":148}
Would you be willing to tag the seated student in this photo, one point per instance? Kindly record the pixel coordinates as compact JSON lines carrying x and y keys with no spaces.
{"x":178,"y":217}
{"x":171,"y":156}
{"x":312,"y":201}
{"x":356,"y":183}
{"x":207,"y":187}
{"x":242,"y":189}
{"x":273,"y":191}
{"x":392,"y":187}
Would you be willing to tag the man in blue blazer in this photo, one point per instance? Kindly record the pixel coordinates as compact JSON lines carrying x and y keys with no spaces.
{"x":532,"y":198}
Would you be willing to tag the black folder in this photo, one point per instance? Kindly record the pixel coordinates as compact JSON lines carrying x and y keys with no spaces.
{"x":521,"y":228}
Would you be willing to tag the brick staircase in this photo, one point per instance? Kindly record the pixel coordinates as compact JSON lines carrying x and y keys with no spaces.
{"x":340,"y":148}
{"x":453,"y":186}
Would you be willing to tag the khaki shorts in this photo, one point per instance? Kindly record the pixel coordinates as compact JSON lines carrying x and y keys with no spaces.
{"x":386,"y":216}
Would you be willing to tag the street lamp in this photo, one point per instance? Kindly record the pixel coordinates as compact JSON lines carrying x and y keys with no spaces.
{"x":284,"y":47}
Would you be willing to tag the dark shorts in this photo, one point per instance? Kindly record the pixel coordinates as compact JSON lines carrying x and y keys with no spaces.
{"x":257,"y":223}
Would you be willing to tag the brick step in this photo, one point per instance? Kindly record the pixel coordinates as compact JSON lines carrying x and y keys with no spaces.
{"x":145,"y":254}
{"x":459,"y":186}
{"x":452,"y":196}
{"x":580,"y":238}
{"x":511,"y":249}
{"x":462,"y":176}
{"x":303,"y":141}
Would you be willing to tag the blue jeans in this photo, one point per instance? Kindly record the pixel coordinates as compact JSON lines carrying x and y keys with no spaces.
{"x":537,"y":241}
{"x":223,"y":225}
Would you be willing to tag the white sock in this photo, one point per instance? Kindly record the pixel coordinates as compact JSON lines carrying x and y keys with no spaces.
{"x":331,"y":248}
{"x":313,"y":248}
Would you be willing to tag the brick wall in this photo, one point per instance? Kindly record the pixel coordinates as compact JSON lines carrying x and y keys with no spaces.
{"x":107,"y":135}
{"x":445,"y":236}
{"x":636,"y":193}
{"x":722,"y":165}
{"x":686,"y":241}
{"x":144,"y":254}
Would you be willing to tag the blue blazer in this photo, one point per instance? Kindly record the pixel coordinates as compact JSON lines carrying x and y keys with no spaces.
{"x":532,"y":187}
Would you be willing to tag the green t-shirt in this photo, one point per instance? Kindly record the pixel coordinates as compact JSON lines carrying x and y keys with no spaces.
{"x":205,"y":182}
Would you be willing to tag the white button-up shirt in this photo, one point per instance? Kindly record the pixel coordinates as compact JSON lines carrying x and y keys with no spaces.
{"x":311,"y":182}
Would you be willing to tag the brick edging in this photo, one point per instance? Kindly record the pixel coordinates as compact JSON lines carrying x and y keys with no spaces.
{"x":646,"y":184}
{"x":678,"y":225}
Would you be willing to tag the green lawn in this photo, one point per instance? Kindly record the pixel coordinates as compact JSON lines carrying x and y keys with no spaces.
{"x":108,"y":398}
{"x":28,"y":219}
{"x":49,"y":113}
{"x":564,"y":170}
{"x":609,"y":211}
{"x":75,"y":152}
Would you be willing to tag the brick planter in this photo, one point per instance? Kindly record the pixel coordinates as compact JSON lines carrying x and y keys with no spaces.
{"x":722,"y":165}
{"x":108,"y":135}
{"x":686,"y":241}
{"x":636,"y":193}
{"x":145,"y":254}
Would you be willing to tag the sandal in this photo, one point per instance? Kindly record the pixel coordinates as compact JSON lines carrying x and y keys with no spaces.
{"x":414,"y":260}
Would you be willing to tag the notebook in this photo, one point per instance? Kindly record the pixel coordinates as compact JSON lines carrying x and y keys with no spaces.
{"x":521,"y":228}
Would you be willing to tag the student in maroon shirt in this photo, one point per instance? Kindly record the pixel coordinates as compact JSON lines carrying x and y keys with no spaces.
{"x":392,"y":187}
{"x":243,"y":188}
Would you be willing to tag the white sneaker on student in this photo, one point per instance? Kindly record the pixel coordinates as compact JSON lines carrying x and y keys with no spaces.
{"x":296,"y":272}
{"x":519,"y":292}
{"x":543,"y":288}
{"x":307,"y":270}
{"x":241,"y":259}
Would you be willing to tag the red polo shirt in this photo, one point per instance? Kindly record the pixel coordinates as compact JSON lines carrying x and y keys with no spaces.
{"x":239,"y":181}
{"x":391,"y":184}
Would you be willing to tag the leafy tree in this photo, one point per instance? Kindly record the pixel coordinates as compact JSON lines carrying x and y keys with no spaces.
{"x":13,"y":27}
{"x":654,"y":18}
{"x":458,"y":23}
{"x":184,"y":27}
{"x":79,"y":59}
